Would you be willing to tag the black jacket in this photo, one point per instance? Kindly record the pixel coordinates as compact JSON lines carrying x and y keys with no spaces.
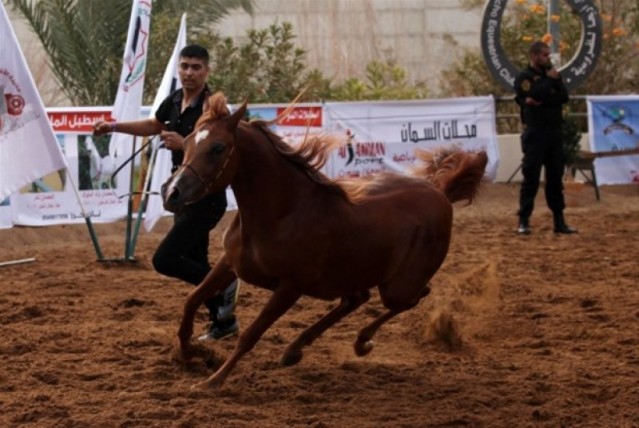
{"x":552,"y":93}
{"x":181,"y":122}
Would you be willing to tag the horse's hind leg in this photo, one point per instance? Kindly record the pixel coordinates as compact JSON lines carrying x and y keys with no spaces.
{"x":348,"y":304}
{"x":280,"y":302}
{"x":364,"y":343}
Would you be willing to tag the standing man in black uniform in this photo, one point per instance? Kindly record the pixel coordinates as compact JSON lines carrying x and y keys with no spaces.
{"x":541,"y":93}
{"x":183,"y":253}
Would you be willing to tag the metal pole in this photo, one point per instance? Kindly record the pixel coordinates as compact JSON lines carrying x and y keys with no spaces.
{"x":145,"y":197}
{"x":553,"y":30}
{"x":87,"y":218}
{"x":16,"y":262}
{"x":129,"y":211}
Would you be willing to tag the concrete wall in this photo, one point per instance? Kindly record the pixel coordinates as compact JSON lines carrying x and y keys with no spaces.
{"x":342,"y":36}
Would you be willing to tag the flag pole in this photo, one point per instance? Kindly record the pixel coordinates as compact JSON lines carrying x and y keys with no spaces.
{"x":128,"y":255}
{"x":158,"y":159}
{"x":37,"y":132}
{"x":87,"y":218}
{"x":128,"y":99}
{"x":145,"y":197}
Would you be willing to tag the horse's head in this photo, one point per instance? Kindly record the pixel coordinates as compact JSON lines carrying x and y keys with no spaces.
{"x":210,"y":159}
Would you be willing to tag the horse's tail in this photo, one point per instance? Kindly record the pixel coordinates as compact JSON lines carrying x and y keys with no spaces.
{"x":457,"y":173}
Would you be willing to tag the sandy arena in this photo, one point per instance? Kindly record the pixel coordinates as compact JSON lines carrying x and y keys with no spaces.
{"x":536,"y":331}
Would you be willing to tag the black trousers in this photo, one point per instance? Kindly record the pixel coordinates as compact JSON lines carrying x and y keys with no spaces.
{"x":541,"y":148}
{"x":183,"y":253}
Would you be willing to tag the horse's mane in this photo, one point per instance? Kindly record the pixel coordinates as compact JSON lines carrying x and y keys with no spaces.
{"x":216,"y":108}
{"x":453,"y":171}
{"x":311,"y":155}
{"x":440,"y":168}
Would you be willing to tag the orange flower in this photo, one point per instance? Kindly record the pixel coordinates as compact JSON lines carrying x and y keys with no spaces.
{"x":563,"y":46}
{"x":555,"y":18}
{"x":537,"y":8}
{"x":618,"y":32}
{"x":521,"y":1}
{"x":547,"y":38}
{"x":527,"y":38}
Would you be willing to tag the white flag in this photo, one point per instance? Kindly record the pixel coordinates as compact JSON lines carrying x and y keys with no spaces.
{"x":128,"y":100}
{"x":162,"y":164}
{"x":28,"y":147}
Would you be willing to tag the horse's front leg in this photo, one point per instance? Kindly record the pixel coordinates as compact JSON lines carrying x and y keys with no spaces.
{"x":216,"y":280}
{"x":281,"y":301}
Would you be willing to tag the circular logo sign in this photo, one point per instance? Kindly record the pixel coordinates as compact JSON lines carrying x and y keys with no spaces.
{"x":574,"y":72}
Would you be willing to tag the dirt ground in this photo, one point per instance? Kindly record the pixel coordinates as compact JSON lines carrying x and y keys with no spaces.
{"x":540,"y":330}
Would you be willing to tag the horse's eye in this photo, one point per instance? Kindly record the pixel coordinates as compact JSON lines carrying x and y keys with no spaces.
{"x":217,"y":148}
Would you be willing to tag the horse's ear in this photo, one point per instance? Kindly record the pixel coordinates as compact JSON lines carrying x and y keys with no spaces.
{"x":233,"y":120}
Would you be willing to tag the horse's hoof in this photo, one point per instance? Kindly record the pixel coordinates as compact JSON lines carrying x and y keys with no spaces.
{"x":291,"y":358}
{"x":185,"y":352}
{"x":362,"y":348}
{"x":181,"y":354}
{"x":207,"y":385}
{"x":201,"y":386}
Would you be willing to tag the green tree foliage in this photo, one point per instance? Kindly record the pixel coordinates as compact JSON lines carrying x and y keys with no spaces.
{"x":384,"y":81}
{"x":84,"y":40}
{"x":269,"y":68}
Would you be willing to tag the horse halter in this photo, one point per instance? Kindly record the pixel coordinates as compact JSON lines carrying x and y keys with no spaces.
{"x":217,"y":176}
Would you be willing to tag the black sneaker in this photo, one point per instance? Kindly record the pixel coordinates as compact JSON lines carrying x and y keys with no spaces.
{"x":523,"y":228}
{"x":219,"y":331}
{"x":565,"y":229}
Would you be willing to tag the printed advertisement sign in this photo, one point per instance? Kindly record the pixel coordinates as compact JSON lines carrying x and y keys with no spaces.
{"x":614,"y":135}
{"x":384,"y":135}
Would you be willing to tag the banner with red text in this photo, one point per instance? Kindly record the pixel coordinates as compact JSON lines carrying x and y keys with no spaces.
{"x":50,"y":199}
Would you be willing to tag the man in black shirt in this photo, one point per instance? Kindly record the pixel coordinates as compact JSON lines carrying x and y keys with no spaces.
{"x":183,"y":253}
{"x":541,"y":94}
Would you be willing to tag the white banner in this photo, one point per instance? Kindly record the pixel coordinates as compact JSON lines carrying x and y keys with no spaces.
{"x":28,"y":148}
{"x":128,"y":100}
{"x":385,"y":134}
{"x":51,"y":199}
{"x":160,"y":156}
{"x":613,"y":123}
{"x":6,"y":217}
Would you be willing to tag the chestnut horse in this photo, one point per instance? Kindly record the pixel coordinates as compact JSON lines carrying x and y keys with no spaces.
{"x":298,"y":232}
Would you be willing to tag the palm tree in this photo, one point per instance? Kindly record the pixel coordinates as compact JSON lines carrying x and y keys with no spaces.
{"x":84,"y":40}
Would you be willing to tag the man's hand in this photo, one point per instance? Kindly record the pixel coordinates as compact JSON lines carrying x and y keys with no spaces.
{"x":532,"y":102}
{"x":553,"y":73}
{"x":172,"y":140}
{"x":101,"y":127}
